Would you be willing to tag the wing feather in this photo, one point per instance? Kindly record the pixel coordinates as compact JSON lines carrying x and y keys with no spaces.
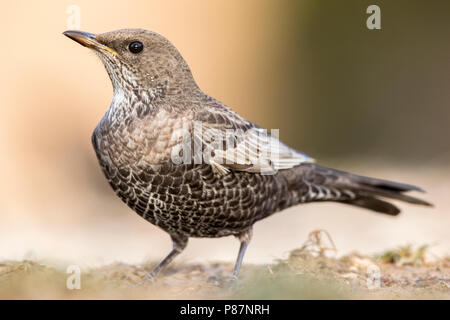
{"x":240,"y":145}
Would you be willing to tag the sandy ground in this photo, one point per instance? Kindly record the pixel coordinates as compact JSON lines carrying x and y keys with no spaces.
{"x":310,"y":272}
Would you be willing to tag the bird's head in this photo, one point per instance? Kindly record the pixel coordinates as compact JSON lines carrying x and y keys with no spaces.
{"x":139,"y":61}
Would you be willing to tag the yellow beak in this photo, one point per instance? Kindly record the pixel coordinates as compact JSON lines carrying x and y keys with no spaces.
{"x":88,"y":40}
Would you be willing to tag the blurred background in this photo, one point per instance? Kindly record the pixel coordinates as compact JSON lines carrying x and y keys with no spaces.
{"x":375,"y":102}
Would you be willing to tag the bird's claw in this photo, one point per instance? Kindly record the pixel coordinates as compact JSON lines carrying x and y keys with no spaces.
{"x":149,"y":278}
{"x":231,"y":283}
{"x":225,"y":283}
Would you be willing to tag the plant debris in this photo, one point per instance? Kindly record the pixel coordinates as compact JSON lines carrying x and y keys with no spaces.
{"x":310,"y":272}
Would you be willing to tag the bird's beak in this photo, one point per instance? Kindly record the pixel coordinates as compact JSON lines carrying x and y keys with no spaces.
{"x":88,"y":40}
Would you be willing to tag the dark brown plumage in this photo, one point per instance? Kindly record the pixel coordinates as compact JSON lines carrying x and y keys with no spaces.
{"x":155,"y":100}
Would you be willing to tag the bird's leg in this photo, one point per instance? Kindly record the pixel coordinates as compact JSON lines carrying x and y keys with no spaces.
{"x":179,"y":243}
{"x":244,"y":238}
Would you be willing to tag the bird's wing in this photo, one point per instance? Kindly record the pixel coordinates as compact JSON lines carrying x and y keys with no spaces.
{"x":229,"y":142}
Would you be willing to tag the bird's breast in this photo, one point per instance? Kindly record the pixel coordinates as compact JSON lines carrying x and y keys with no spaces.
{"x":133,"y":141}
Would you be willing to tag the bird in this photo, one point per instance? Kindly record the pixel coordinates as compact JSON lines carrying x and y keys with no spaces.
{"x":195,"y":168}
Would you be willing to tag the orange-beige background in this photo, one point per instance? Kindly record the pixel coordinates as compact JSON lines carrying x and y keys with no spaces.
{"x":374,"y":102}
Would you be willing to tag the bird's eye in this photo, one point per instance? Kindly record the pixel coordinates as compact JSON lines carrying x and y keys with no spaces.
{"x":136,"y":46}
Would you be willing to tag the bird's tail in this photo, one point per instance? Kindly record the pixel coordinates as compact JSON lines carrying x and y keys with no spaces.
{"x":333,"y":185}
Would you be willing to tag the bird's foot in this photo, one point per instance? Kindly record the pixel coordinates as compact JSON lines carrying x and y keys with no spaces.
{"x":232,"y":283}
{"x":232,"y":279}
{"x":229,"y":283}
{"x":149,"y":278}
{"x":218,"y":281}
